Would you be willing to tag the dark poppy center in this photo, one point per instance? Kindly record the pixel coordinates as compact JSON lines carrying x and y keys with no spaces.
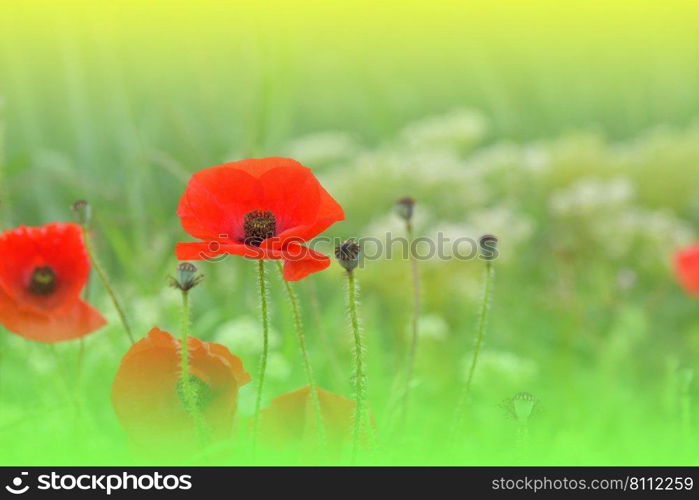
{"x":258,"y":225}
{"x":43,"y":281}
{"x":201,"y":392}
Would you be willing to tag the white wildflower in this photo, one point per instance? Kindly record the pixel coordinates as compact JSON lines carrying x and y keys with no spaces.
{"x":453,"y":130}
{"x":322,"y":148}
{"x":243,"y":335}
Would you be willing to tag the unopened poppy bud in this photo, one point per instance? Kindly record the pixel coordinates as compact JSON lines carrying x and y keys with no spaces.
{"x":405,"y":208}
{"x":488,"y":245}
{"x":83,"y":212}
{"x":187,"y":277}
{"x":347,"y":255}
{"x":523,"y":404}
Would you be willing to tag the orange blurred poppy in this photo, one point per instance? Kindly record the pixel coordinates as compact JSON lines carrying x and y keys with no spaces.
{"x":290,"y":417}
{"x":43,"y":271}
{"x":687,"y":268}
{"x":260,"y":209}
{"x":147,"y":391}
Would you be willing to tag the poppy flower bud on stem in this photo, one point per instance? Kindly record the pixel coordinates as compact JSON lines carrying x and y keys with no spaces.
{"x":347,"y":254}
{"x":488,"y":246}
{"x":405,"y":207}
{"x":187,"y":277}
{"x":523,"y":404}
{"x":83,"y":212}
{"x":522,"y":407}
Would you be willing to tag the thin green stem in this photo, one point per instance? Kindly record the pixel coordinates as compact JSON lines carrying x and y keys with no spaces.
{"x":522,"y":438}
{"x":185,"y":372}
{"x":264,"y":312}
{"x":107,"y":284}
{"x":298,"y":324}
{"x":414,"y":321}
{"x":360,"y":390}
{"x":482,"y":322}
{"x":184,"y":354}
{"x":4,"y":203}
{"x":686,"y":405}
{"x":2,"y":361}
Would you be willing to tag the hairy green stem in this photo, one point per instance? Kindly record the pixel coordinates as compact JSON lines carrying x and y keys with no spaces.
{"x":106,"y":283}
{"x":264,"y":312}
{"x":686,"y":406}
{"x":185,"y":372}
{"x":184,"y":354}
{"x":482,"y":322}
{"x":414,"y":321}
{"x":298,"y":324}
{"x":4,"y":205}
{"x":360,"y":390}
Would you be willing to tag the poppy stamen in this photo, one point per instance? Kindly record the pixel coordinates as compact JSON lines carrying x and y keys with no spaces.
{"x":43,"y":281}
{"x":258,"y":225}
{"x":202,"y":393}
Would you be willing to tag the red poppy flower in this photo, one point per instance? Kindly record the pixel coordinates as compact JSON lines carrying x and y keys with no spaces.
{"x":687,"y":268}
{"x":42,"y":273}
{"x":147,"y":391}
{"x":290,"y":417}
{"x":261,"y":209}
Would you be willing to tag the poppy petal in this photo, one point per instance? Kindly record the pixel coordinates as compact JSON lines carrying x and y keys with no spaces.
{"x":290,"y":417}
{"x":213,"y":249}
{"x":59,"y":246}
{"x":145,"y":397}
{"x":300,"y":261}
{"x":257,"y":167}
{"x":687,"y":269}
{"x":77,"y":321}
{"x":216,"y":200}
{"x":292,"y":194}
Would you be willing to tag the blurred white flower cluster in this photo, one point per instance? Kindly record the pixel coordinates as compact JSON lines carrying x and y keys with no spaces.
{"x":579,"y":190}
{"x":242,"y":335}
{"x":606,"y":212}
{"x":589,"y":195}
{"x":459,"y":128}
{"x":322,"y":148}
{"x":504,"y":367}
{"x":433,"y":327}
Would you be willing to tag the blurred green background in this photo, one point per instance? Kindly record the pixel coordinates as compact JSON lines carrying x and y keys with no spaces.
{"x":568,"y":129}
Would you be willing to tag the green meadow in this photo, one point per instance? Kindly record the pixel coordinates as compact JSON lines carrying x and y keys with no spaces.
{"x":570,"y":134}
